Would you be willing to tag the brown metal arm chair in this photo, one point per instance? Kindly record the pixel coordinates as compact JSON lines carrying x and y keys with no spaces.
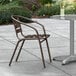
{"x":17,"y":21}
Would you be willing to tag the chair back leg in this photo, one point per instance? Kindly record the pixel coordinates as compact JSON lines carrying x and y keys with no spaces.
{"x":19,"y":51}
{"x":48,"y":50}
{"x":42,"y":53}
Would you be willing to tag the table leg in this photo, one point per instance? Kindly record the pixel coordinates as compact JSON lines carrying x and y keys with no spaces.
{"x":71,"y":57}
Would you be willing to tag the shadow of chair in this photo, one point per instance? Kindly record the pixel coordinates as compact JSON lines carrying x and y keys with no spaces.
{"x":18,"y":21}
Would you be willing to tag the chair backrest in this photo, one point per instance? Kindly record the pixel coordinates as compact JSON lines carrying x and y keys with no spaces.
{"x":17,"y":25}
{"x":17,"y":21}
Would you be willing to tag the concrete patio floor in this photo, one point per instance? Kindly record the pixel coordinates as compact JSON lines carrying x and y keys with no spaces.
{"x":29,"y":63}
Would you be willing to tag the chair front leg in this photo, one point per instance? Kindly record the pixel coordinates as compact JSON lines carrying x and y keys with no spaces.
{"x":42,"y":53}
{"x":19,"y":51}
{"x":48,"y":49}
{"x":14,"y":53}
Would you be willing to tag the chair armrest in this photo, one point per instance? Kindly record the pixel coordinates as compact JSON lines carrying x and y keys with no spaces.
{"x":41,"y":26}
{"x":17,"y":20}
{"x":32,"y":28}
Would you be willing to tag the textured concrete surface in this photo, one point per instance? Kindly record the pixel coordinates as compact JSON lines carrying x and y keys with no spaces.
{"x":29,"y":63}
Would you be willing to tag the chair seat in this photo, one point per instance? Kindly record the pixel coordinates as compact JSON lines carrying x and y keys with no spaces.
{"x":34,"y":37}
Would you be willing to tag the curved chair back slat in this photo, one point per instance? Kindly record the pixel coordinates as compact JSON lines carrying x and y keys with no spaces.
{"x":17,"y":27}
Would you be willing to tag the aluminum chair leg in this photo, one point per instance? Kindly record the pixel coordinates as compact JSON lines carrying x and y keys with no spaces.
{"x":19,"y":51}
{"x":48,"y":49}
{"x":42,"y":54}
{"x":14,"y":53}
